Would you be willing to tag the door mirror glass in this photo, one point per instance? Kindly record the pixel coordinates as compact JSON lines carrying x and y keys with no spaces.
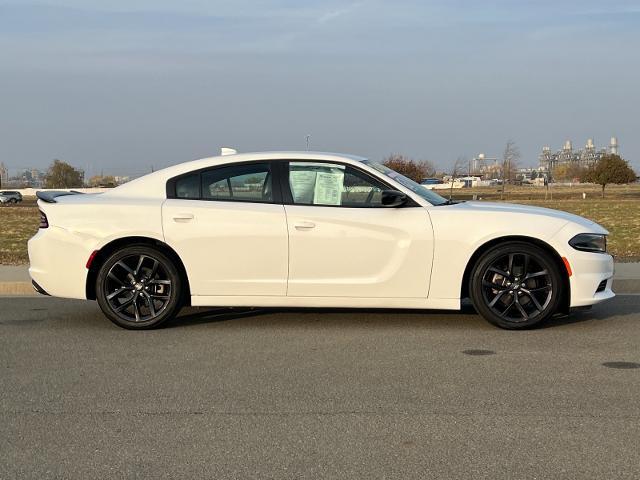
{"x":393,"y":198}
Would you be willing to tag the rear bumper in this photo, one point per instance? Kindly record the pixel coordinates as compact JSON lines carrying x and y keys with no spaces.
{"x":57,"y":263}
{"x":590,"y":270}
{"x":38,"y":288}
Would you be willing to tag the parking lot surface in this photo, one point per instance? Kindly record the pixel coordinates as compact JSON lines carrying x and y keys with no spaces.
{"x":317,"y":394}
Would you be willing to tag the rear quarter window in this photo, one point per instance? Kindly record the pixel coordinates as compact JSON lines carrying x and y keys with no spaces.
{"x":188,"y":186}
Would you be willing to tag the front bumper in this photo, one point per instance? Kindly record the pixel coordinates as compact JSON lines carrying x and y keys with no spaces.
{"x":590,"y":270}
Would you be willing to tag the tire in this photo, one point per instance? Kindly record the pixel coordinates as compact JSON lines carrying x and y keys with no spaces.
{"x":516,"y":285}
{"x":139,"y":288}
{"x":13,"y":200}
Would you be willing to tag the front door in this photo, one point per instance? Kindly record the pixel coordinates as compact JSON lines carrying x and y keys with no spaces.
{"x":344,"y":243}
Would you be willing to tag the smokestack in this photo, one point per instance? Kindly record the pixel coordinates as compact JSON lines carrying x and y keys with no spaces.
{"x":613,"y":146}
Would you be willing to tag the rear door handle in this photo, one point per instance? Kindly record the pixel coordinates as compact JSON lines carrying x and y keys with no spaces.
{"x":182,"y":217}
{"x":304,"y":225}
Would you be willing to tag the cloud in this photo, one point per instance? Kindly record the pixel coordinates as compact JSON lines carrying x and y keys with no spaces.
{"x":339,"y":12}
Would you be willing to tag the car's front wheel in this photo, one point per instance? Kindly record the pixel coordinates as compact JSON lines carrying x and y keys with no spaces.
{"x":139,"y":287}
{"x":516,"y":285}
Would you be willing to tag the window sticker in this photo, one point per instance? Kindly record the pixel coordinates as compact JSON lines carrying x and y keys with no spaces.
{"x":302,"y":183}
{"x":316,"y":183}
{"x":328,"y":189}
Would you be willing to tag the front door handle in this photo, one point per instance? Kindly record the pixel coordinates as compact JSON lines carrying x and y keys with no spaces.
{"x":305,"y":225}
{"x":183,"y":217}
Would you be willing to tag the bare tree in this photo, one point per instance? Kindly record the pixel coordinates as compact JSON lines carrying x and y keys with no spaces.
{"x":414,"y":169}
{"x":456,"y":171}
{"x":510,"y":159}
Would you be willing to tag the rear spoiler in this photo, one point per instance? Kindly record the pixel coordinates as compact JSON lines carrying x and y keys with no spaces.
{"x":49,"y":196}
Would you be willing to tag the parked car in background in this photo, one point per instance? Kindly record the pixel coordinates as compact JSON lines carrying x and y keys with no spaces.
{"x":304,"y":229}
{"x":431,"y":181}
{"x":10,"y":197}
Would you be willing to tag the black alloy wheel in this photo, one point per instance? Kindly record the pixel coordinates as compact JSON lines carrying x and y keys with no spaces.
{"x":139,"y":288}
{"x":516,"y":285}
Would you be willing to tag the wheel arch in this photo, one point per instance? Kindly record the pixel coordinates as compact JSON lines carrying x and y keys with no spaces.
{"x":117,"y":244}
{"x":566,"y":287}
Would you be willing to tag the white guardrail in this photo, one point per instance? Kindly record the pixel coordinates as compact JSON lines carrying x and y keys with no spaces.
{"x":31,"y":192}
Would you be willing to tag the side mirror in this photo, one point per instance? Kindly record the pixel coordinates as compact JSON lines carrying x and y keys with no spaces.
{"x":393,"y":198}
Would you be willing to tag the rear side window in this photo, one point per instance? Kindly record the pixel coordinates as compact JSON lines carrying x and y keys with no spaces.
{"x":243,"y":182}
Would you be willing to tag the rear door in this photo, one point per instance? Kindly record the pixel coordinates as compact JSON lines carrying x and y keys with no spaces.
{"x":344,"y":243}
{"x":228,"y":226}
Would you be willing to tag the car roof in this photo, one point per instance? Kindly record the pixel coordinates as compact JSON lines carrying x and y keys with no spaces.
{"x":154,"y":184}
{"x":277,"y":155}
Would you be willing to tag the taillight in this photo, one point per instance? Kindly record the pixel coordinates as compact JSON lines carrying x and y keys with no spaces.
{"x":92,"y":257}
{"x":44,"y":223}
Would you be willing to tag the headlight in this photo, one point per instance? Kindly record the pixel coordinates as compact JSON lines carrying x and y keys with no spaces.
{"x":589,"y":242}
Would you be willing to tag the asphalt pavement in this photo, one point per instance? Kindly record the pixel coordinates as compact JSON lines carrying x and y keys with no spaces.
{"x":317,"y":394}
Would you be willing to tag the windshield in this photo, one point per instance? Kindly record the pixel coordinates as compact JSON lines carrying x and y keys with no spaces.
{"x":430,"y":196}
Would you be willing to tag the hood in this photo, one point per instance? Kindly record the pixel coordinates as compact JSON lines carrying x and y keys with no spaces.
{"x":529,"y":210}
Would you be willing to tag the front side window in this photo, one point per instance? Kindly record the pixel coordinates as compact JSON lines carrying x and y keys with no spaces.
{"x":332,"y":184}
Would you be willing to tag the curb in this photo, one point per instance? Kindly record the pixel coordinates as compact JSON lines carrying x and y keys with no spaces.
{"x":10,"y":289}
{"x":626,"y":285}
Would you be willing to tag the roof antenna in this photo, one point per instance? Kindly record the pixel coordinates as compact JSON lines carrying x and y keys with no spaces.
{"x":227,"y":151}
{"x":307,"y":136}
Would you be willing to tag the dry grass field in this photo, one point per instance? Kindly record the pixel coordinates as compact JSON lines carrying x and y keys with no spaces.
{"x":620,"y":217}
{"x":564,"y":192}
{"x":17,"y":225}
{"x":618,"y":212}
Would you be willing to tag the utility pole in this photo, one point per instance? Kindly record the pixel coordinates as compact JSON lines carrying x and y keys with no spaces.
{"x":307,"y":138}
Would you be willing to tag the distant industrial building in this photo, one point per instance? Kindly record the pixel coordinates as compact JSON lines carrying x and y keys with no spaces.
{"x":585,"y":157}
{"x":4,"y":174}
{"x":121,"y":179}
{"x":22,"y":178}
{"x":484,"y":166}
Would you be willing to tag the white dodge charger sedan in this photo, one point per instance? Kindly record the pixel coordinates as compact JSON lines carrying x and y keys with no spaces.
{"x":303,"y":229}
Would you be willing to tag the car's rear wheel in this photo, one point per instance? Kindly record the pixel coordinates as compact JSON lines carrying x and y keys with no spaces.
{"x":139,"y":288}
{"x":516,"y":285}
{"x":13,"y":200}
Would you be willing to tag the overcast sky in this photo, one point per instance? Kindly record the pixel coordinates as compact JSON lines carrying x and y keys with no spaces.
{"x":121,"y":85}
